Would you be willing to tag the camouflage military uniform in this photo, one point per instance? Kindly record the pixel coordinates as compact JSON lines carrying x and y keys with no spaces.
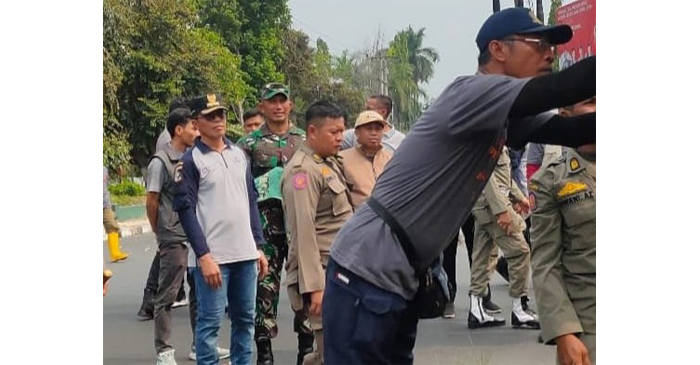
{"x":268,"y":150}
{"x":562,"y":198}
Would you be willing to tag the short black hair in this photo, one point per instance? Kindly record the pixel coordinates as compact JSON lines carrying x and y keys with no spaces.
{"x":318,"y":111}
{"x":178,"y":117}
{"x":250,"y":113}
{"x":177,"y":103}
{"x":484,"y":57}
{"x":385,"y":100}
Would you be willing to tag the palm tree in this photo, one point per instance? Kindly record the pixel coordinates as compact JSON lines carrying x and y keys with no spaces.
{"x":421,"y":58}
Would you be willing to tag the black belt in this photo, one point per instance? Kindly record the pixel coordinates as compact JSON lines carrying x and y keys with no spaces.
{"x":405,"y":242}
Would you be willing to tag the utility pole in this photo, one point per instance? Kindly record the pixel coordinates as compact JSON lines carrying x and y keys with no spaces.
{"x":496,"y":6}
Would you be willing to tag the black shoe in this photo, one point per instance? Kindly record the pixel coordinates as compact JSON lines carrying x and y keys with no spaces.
{"x":502,"y":268}
{"x":264,"y":351}
{"x":473,"y":322}
{"x":306,"y":346}
{"x":489,"y":306}
{"x":146,"y":310}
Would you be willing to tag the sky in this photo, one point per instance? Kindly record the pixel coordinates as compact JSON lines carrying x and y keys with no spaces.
{"x":450,"y":27}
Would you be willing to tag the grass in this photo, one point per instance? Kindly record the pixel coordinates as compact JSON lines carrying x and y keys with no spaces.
{"x":128,"y":200}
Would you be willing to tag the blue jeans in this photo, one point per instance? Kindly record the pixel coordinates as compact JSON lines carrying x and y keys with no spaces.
{"x":364,"y":324}
{"x":239,"y":285}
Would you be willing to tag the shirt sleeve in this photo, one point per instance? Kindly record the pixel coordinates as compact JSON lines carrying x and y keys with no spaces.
{"x":156,"y":175}
{"x":244,"y":144}
{"x":477,"y":104}
{"x":186,"y":178}
{"x":255,"y":225}
{"x":535,"y":153}
{"x":557,"y":314}
{"x":348,"y":139}
{"x":301,"y":195}
{"x":496,"y":200}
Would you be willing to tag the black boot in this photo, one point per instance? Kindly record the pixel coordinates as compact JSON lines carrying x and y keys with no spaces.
{"x":489,"y":306}
{"x":502,"y":268}
{"x":146,"y":310}
{"x":264,"y":351}
{"x":306,"y":346}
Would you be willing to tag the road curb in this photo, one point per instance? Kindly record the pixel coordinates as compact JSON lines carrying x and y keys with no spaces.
{"x":132,"y":228}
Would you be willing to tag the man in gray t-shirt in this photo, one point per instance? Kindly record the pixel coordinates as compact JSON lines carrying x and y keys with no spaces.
{"x":434,"y":179}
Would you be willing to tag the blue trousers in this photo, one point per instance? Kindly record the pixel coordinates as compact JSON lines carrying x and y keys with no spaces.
{"x":239,"y":286}
{"x":364,"y":324}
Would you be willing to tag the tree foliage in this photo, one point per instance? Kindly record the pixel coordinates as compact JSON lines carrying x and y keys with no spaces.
{"x":157,"y":50}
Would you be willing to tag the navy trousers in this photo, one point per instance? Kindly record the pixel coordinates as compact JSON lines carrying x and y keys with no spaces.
{"x":364,"y":324}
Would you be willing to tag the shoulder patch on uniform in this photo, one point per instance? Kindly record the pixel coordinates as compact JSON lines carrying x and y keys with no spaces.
{"x":325,"y":171}
{"x":317,"y":157}
{"x":574,"y":164}
{"x":533,"y":201}
{"x":300,"y":180}
{"x":571,"y":188}
{"x":177,"y":172}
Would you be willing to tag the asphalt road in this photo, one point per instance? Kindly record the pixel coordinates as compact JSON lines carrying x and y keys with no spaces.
{"x":127,"y":340}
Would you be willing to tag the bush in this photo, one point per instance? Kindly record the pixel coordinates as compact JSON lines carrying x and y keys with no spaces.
{"x":128,"y":188}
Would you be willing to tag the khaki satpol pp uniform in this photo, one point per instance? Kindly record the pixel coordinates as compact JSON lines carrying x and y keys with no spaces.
{"x":497,"y":197}
{"x":562,"y":198}
{"x":316,"y":204}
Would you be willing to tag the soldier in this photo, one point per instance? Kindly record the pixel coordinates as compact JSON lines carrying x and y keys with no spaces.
{"x":269,"y":147}
{"x":316,"y":204}
{"x":496,"y":220}
{"x":562,"y":196}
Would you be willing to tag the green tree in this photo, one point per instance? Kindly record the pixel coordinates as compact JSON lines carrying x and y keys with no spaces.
{"x":403,"y":89}
{"x":409,"y":64}
{"x":422,"y":59}
{"x":253,"y":29}
{"x":153,"y":52}
{"x":313,"y":74}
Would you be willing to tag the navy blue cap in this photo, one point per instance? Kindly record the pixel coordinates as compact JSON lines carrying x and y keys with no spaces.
{"x":519,"y":21}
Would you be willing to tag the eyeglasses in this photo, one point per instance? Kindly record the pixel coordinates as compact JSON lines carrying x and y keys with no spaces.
{"x":542,"y":44}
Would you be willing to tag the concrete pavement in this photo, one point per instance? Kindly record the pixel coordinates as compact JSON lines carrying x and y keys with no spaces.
{"x":127,"y":340}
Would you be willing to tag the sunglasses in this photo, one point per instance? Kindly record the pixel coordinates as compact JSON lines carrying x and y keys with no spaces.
{"x":221,"y":113}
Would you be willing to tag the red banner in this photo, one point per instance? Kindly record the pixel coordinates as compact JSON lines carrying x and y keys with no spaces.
{"x":580,"y":16}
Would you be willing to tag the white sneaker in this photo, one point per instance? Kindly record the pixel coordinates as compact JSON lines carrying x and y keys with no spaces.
{"x":223,"y":353}
{"x":166,"y":358}
{"x":181,"y":303}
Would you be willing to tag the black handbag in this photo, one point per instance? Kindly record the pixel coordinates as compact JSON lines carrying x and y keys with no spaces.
{"x":432,"y":295}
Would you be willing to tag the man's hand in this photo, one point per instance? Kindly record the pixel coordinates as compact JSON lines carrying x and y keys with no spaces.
{"x":316,"y":302}
{"x":571,"y":351}
{"x":262,"y":265}
{"x":210,"y":271}
{"x":504,"y":221}
{"x":522,"y":207}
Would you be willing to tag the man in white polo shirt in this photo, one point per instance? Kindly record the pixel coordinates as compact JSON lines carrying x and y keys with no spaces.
{"x":216,"y":202}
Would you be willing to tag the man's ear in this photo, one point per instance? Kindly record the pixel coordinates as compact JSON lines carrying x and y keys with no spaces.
{"x":498,"y":51}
